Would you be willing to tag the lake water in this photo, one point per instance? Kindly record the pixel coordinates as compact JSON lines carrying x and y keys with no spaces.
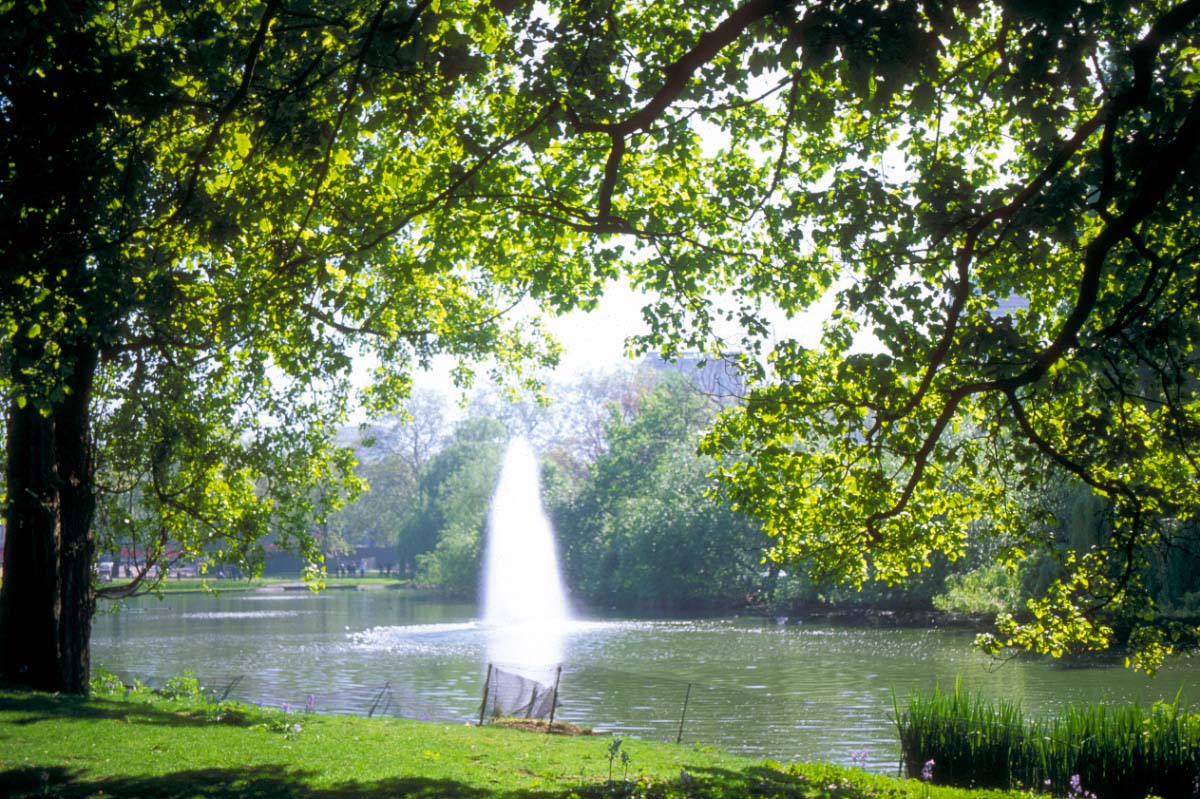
{"x":787,"y":692}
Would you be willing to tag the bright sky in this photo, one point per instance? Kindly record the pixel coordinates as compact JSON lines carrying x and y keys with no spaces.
{"x":595,"y":342}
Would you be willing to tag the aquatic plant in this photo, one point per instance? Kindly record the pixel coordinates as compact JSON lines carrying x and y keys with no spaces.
{"x":1131,"y":751}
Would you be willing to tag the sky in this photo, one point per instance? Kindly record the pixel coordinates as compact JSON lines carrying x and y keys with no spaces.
{"x":595,"y":341}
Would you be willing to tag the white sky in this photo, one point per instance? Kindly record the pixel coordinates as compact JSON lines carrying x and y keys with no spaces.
{"x":595,"y":341}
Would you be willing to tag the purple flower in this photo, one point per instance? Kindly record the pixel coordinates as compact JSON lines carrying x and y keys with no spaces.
{"x":927,"y":771}
{"x":1076,"y":790}
{"x":286,"y":708}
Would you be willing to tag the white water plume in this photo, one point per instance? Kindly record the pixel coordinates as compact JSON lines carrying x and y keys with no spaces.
{"x":524,"y":605}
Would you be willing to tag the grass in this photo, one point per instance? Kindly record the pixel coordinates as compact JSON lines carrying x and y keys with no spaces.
{"x":1120,"y":751}
{"x":146,"y":745}
{"x":191,"y":585}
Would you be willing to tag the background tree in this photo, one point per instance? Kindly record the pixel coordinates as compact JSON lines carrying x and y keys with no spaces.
{"x":638,"y":531}
{"x":445,"y":535}
{"x":391,"y":459}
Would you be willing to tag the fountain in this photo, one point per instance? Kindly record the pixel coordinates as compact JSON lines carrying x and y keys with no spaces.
{"x":525,"y":609}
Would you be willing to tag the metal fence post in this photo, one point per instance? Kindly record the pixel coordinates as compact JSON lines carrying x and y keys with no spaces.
{"x":483,"y":705}
{"x":232,"y":684}
{"x":532,"y":701}
{"x":386,"y":686}
{"x":683,"y":715}
{"x":554,"y":699}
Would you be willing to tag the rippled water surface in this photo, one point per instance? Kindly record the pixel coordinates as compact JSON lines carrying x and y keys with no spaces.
{"x":787,"y":692}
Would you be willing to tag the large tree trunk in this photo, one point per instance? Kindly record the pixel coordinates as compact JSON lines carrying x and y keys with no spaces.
{"x":29,"y":597}
{"x":47,"y":598}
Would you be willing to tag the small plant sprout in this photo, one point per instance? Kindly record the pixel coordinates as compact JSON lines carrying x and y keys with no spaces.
{"x":613,"y":749}
{"x":625,"y":764}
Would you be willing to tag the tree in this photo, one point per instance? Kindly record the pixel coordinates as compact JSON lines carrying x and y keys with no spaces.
{"x":414,"y":436}
{"x":375,"y":517}
{"x":445,"y":534}
{"x":1003,"y":195}
{"x":638,"y":532}
{"x":394,"y":454}
{"x":206,"y":210}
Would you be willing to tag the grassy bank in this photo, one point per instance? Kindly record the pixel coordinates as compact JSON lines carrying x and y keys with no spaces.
{"x":189,"y":585}
{"x":143,"y":745}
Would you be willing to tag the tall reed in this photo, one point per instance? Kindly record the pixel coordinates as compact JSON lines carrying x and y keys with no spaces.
{"x":1116,"y":751}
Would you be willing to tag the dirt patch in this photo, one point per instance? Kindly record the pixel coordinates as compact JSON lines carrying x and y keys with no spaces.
{"x":537,"y":725}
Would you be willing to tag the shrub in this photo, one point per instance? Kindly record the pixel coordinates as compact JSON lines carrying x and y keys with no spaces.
{"x":183,"y":686}
{"x":990,"y":589}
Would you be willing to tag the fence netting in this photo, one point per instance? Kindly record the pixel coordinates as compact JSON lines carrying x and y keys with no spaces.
{"x":509,"y":694}
{"x":388,"y":697}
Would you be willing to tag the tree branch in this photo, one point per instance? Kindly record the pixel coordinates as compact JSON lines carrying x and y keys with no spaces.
{"x":676,"y":77}
{"x":238,"y":97}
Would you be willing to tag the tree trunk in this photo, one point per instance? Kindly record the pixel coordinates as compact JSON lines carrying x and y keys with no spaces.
{"x":47,"y":598}
{"x":29,"y":597}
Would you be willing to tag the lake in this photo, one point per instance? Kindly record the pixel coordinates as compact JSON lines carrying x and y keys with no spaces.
{"x":795,"y":691}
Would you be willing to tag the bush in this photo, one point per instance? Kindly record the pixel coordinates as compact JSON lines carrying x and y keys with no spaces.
{"x":183,"y":686}
{"x":105,"y":683}
{"x":989,"y":589}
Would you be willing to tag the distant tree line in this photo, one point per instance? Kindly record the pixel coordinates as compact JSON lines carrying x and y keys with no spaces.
{"x":628,"y":492}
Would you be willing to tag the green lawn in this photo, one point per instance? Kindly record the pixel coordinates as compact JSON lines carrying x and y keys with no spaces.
{"x":173,"y":585}
{"x":142,"y":745}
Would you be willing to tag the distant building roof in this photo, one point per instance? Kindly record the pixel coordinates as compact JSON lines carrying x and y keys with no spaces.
{"x":715,"y":375}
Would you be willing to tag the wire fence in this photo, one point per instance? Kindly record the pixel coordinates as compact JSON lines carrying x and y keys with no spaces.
{"x":625,"y":701}
{"x":752,"y":721}
{"x":386,"y":698}
{"x":655,"y":706}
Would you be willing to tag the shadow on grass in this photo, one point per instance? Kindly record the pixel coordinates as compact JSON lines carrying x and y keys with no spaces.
{"x":260,"y":782}
{"x":32,"y":708}
{"x":277,"y":782}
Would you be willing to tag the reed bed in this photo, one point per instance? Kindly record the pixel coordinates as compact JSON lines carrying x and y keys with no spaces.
{"x":1102,"y":750}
